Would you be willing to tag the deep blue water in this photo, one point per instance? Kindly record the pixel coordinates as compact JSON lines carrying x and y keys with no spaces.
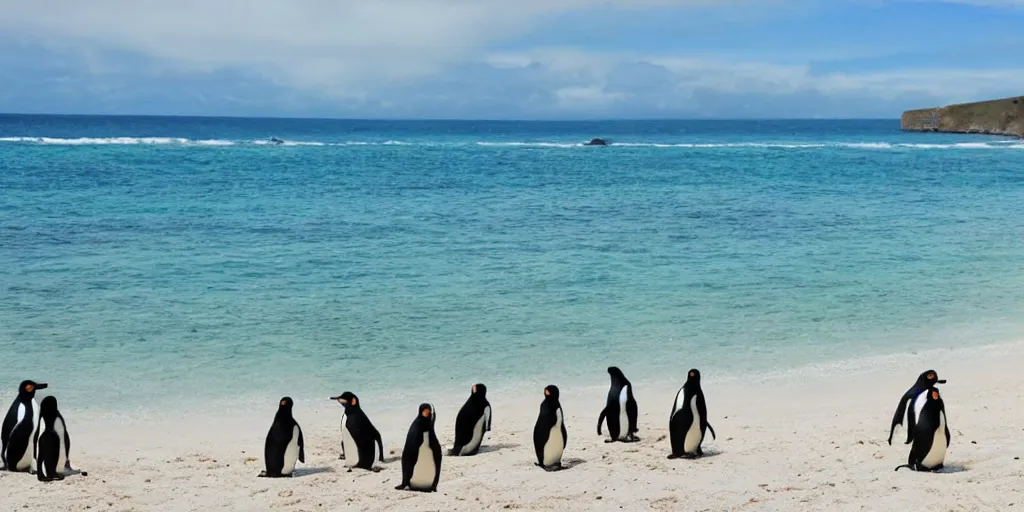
{"x":153,"y":259}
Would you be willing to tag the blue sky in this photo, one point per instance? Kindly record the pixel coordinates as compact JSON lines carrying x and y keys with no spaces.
{"x":531,"y":59}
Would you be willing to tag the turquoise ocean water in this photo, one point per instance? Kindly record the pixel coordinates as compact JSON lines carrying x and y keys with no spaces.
{"x":149,"y":260}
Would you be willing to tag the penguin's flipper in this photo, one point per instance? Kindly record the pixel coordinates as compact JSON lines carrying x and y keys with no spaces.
{"x":897,"y":417}
{"x":633,"y":413}
{"x":380,"y":443}
{"x":302,"y":446}
{"x":600,"y":419}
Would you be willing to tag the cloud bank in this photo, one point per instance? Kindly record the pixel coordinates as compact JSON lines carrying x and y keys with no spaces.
{"x":420,"y":58}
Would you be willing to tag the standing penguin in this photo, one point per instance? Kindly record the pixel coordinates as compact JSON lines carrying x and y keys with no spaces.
{"x":689,"y":419}
{"x":51,"y":442}
{"x":925,"y":381}
{"x":931,"y":433}
{"x":284,"y":443}
{"x":421,"y":457}
{"x":357,"y":431}
{"x":19,"y":427}
{"x":549,"y":436}
{"x":620,"y":410}
{"x":473,"y":421}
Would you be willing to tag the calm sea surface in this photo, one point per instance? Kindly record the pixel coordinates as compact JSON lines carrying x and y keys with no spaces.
{"x":154,"y":260}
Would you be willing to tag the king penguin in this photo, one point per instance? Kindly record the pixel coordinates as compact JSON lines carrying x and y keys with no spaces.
{"x":549,"y":436}
{"x":931,"y":433}
{"x":19,"y":428}
{"x":284,"y":443}
{"x":357,"y":431}
{"x":689,"y":420}
{"x":421,"y":457}
{"x":51,"y":442}
{"x":473,"y":421}
{"x":620,"y":410}
{"x":925,"y":381}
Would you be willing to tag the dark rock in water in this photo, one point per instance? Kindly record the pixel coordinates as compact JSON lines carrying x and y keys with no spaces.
{"x":275,"y":140}
{"x":597,"y":142}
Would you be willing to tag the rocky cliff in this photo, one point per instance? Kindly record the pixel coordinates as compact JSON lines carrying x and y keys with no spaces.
{"x":996,"y":117}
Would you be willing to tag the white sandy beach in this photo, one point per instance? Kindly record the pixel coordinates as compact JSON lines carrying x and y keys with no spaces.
{"x":807,"y":439}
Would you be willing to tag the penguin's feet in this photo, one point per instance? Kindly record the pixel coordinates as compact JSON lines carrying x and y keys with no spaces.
{"x":673,"y":456}
{"x":609,"y":440}
{"x":400,"y":487}
{"x":341,"y":457}
{"x":631,"y":439}
{"x":263,"y":474}
{"x":58,"y":477}
{"x":552,"y":468}
{"x":374,"y":470}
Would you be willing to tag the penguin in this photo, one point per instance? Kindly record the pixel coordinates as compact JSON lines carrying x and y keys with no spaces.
{"x":358,"y":431}
{"x":931,"y":433}
{"x":284,"y":443}
{"x":49,"y":443}
{"x":473,"y":421}
{"x":64,"y":457}
{"x":421,"y":457}
{"x":925,"y":381}
{"x":549,"y":436}
{"x":620,"y":411}
{"x":19,"y":427}
{"x":689,"y":420}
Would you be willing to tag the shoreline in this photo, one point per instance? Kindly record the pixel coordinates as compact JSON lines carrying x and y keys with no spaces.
{"x":803,"y":438}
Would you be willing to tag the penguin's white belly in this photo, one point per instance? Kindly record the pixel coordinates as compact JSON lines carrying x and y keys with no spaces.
{"x":351,"y":450}
{"x":937,"y":454}
{"x":62,"y":458}
{"x":623,"y":417}
{"x":25,"y":462}
{"x":478,"y":435}
{"x":693,"y":437}
{"x":291,"y":453}
{"x":553,"y":448}
{"x":424,"y":471}
{"x":918,"y":406}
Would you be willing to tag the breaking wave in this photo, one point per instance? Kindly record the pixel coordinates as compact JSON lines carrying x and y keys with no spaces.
{"x":178,"y":141}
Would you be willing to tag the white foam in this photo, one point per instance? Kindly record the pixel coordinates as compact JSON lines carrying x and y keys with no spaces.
{"x":169,"y":141}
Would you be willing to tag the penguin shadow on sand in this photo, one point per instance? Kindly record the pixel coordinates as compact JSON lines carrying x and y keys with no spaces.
{"x":310,"y":471}
{"x":497,"y":447}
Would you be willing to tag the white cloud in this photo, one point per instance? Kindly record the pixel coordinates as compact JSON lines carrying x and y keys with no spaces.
{"x":311,"y":43}
{"x":408,"y":57}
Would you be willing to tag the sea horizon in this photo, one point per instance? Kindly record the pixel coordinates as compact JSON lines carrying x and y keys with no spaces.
{"x":193,"y":257}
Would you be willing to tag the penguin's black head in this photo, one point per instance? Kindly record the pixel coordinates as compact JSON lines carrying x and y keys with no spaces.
{"x":48,"y":407}
{"x":933,"y":395}
{"x":551,"y":392}
{"x":616,"y":373}
{"x":426,"y":412}
{"x":28,"y":388}
{"x":348,"y":399}
{"x":928,"y":378}
{"x":286,"y":403}
{"x":479,"y":390}
{"x":693,"y":376}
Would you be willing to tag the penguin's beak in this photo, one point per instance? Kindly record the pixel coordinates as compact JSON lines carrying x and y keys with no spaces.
{"x":336,"y":398}
{"x":941,"y":381}
{"x":41,"y":385}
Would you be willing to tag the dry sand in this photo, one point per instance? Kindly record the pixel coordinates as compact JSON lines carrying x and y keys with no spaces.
{"x":812,"y":438}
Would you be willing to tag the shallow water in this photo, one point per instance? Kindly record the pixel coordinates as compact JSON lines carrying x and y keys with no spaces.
{"x":164,"y":260}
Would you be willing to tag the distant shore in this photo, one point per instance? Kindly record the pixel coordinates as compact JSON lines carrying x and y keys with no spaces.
{"x":809,"y":438}
{"x":996,"y":117}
